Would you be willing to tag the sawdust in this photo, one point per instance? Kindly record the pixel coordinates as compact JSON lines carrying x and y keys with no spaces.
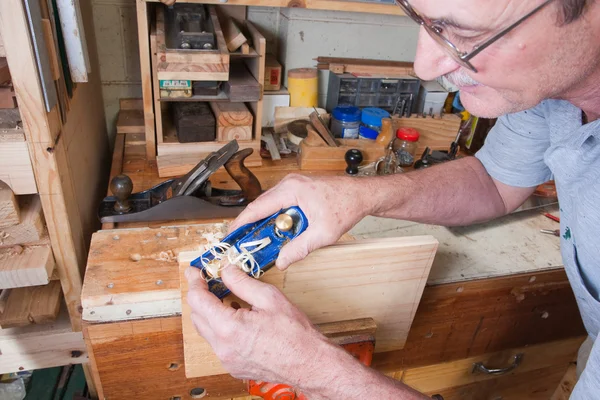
{"x":3,"y":235}
{"x":14,"y":251}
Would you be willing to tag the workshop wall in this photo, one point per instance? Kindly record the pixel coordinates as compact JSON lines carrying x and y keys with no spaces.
{"x":296,"y":35}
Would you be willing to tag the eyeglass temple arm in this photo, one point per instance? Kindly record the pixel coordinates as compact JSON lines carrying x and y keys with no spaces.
{"x":495,"y":38}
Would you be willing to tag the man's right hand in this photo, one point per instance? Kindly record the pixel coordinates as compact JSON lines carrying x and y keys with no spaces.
{"x":333,"y":205}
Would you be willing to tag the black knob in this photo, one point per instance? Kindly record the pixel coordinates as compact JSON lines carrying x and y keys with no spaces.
{"x":121,"y":187}
{"x":353,"y":158}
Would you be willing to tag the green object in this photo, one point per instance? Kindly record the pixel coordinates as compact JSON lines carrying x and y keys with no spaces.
{"x":567,"y":234}
{"x":64,"y":61}
{"x":175,"y":84}
{"x":43,"y":384}
{"x":76,"y":384}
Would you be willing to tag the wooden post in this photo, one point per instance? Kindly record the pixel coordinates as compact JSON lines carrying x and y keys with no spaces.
{"x":144,"y":39}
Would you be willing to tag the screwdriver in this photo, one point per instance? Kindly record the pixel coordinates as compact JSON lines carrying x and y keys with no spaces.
{"x":555,"y":232}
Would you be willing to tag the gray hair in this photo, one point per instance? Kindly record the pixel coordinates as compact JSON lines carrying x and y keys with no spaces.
{"x":573,"y":9}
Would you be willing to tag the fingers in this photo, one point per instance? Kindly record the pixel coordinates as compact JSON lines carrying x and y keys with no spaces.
{"x":266,"y":205}
{"x":251,"y":290}
{"x":203,"y":303}
{"x":297,"y":249}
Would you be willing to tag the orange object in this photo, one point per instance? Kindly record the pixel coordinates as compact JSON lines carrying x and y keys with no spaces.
{"x":363,"y":351}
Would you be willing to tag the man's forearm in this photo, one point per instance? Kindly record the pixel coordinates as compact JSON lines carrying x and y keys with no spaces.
{"x":341,"y":376}
{"x":456,"y":193}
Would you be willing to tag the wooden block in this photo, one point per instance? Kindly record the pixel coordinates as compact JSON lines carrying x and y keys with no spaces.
{"x":435,"y":133}
{"x":567,"y":384}
{"x":241,"y":86}
{"x":22,"y":266}
{"x":272,"y":73}
{"x":233,"y":35}
{"x":4,"y":71}
{"x":234,"y":121}
{"x":245,"y":49}
{"x":32,"y":305}
{"x":3,"y":298}
{"x":41,"y":346}
{"x":130,"y":121}
{"x":9,"y":208}
{"x":194,"y":122}
{"x":327,"y":158}
{"x":31,"y":228}
{"x":323,"y":287}
{"x":131,"y":104}
{"x":15,"y":165}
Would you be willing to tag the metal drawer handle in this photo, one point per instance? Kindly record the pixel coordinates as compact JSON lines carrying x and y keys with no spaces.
{"x":479,"y":367}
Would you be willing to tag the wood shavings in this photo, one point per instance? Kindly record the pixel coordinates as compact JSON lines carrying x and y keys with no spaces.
{"x":3,"y":235}
{"x":224,"y":254}
{"x":167,"y":256}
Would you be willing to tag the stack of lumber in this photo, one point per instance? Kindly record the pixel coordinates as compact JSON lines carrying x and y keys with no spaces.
{"x":360,"y":66}
{"x":26,"y":263}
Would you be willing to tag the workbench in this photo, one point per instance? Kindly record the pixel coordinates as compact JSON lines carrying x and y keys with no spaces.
{"x":495,"y":290}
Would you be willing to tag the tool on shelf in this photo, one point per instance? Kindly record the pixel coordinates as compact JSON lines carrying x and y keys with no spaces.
{"x":254,"y":247}
{"x":353,"y":159}
{"x":555,"y":232}
{"x":552,"y":217}
{"x":430,"y":158}
{"x":189,"y":197}
{"x":188,"y":27}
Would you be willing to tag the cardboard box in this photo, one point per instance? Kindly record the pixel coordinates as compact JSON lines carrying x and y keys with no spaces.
{"x":272,"y":73}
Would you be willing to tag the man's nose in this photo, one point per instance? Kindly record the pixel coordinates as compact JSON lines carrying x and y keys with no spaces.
{"x":431,"y":60}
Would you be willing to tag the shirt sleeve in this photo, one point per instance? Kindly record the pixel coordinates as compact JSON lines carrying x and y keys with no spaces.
{"x":588,"y":385}
{"x":514,"y":149}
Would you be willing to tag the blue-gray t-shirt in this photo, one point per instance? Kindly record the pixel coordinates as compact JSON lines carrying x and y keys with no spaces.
{"x":549,"y":141}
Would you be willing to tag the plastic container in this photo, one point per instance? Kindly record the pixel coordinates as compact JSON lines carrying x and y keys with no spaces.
{"x":371,"y":117}
{"x":367,"y":133}
{"x":345,"y":121}
{"x":303,"y":87}
{"x":405,"y":146}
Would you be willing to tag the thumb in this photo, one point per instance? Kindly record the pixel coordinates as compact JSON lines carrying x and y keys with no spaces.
{"x":251,"y":290}
{"x":297,"y":249}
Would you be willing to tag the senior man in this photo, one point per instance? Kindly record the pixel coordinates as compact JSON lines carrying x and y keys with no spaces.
{"x":536,"y":65}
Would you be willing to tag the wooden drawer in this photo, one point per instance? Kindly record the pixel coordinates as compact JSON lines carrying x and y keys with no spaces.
{"x":536,"y":376}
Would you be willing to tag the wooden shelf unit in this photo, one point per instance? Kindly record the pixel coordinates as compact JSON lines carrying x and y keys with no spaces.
{"x":67,"y":149}
{"x":160,"y":136}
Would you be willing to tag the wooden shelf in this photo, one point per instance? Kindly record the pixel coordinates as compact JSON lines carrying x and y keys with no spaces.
{"x":333,"y":5}
{"x":252,"y":54}
{"x":222,"y":96}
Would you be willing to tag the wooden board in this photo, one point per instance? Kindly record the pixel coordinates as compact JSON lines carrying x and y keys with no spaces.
{"x":31,"y":305}
{"x":22,"y":266}
{"x":567,"y":384}
{"x":324,"y":158}
{"x":358,"y":279}
{"x":233,"y":35}
{"x":31,"y":227}
{"x":130,"y":121}
{"x":242,"y":86}
{"x":234,"y":121}
{"x":435,"y":133}
{"x":16,"y":168}
{"x":4,"y":70}
{"x":41,"y":346}
{"x":9,"y":208}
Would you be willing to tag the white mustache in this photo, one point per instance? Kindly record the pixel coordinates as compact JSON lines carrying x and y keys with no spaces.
{"x":459,"y":78}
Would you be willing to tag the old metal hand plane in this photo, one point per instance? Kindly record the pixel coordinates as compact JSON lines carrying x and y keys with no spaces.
{"x":189,"y":197}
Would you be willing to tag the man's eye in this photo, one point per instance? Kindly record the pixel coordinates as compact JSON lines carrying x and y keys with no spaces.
{"x":438,"y":29}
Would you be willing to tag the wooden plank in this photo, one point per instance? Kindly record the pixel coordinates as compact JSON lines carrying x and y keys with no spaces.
{"x":234,"y":121}
{"x":323,"y":158}
{"x":435,"y":378}
{"x":567,"y":384}
{"x":131,"y":104}
{"x":9,"y":208}
{"x":130,"y":121}
{"x":32,"y":305}
{"x":16,"y":169}
{"x":180,"y":164}
{"x":398,"y":280}
{"x":435,"y":133}
{"x":41,"y":346}
{"x":31,"y":227}
{"x":22,"y":266}
{"x":158,"y":106}
{"x":146,"y":78}
{"x":242,"y":86}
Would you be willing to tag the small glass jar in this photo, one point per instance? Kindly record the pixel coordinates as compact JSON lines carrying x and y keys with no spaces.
{"x":345,"y":121}
{"x":405,"y":146}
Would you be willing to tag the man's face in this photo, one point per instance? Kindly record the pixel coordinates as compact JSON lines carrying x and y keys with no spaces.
{"x":537,"y":60}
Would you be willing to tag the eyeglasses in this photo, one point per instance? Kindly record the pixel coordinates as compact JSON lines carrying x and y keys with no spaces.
{"x":460,"y":57}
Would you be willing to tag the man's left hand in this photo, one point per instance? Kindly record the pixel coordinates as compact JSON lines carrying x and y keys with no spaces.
{"x":273,"y":341}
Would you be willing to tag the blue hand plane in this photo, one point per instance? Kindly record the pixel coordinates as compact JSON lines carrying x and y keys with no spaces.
{"x":256,"y":246}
